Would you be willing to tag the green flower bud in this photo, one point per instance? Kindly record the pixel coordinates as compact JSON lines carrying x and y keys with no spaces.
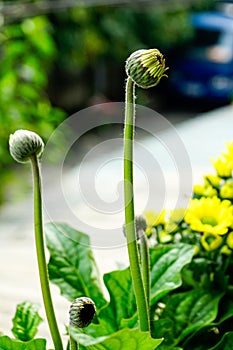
{"x":146,"y":67}
{"x":24,"y":144}
{"x":82,"y":311}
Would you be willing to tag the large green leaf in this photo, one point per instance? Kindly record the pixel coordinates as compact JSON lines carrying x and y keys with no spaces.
{"x":72,"y":265}
{"x":166,"y":263}
{"x":124,"y":339}
{"x":26,"y":321}
{"x":225,"y":310}
{"x":225,"y":343}
{"x":209,"y":335}
{"x":122,"y":304}
{"x":7,"y":343}
{"x":185,"y":313}
{"x":121,"y":310}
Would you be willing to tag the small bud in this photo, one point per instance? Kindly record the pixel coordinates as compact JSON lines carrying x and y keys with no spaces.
{"x":82,"y":311}
{"x":146,"y":67}
{"x":140,"y":223}
{"x":23,"y":144}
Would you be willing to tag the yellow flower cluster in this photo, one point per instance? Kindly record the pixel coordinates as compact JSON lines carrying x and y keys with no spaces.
{"x":208,"y":221}
{"x":153,"y":220}
{"x":210,"y":187}
{"x":157,"y":223}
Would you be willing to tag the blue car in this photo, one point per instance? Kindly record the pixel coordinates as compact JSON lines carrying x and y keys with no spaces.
{"x":205,"y":68}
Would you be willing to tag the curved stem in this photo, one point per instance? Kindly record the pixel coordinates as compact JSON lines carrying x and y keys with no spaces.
{"x":142,"y":305}
{"x":40,"y":249}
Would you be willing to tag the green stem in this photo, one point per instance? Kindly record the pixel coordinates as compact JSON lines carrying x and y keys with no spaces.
{"x":142,"y":304}
{"x":40,"y":249}
{"x":145,"y":263}
{"x":73,"y":344}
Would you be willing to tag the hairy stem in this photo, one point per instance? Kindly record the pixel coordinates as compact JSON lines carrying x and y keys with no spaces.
{"x":40,"y":250}
{"x":145,"y":263}
{"x":142,"y":304}
{"x":73,"y":344}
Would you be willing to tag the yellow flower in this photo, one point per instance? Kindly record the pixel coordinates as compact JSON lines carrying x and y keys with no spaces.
{"x":204,"y":190}
{"x":227,"y":190}
{"x":210,"y":215}
{"x":213,"y":179}
{"x":196,"y":249}
{"x":225,"y":250}
{"x":229,"y":155}
{"x":223,"y":166}
{"x":230,"y":240}
{"x":211,"y":241}
{"x":164,"y":237}
{"x":154,"y":219}
{"x":176,"y":216}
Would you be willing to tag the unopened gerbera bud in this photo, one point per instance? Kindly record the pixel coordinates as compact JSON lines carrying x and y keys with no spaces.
{"x":82,"y":311}
{"x":24,"y":144}
{"x":140,"y":225}
{"x":146,"y":67}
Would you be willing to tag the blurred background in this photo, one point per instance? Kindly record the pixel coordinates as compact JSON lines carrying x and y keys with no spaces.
{"x":57,"y":57}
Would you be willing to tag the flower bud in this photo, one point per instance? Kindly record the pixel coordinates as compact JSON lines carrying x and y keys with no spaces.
{"x":24,"y":144}
{"x":140,"y":225}
{"x":146,"y":67}
{"x":82,"y":311}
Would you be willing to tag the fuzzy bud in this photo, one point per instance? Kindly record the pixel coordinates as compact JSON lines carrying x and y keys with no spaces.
{"x":82,"y":311}
{"x":146,"y":67}
{"x":24,"y":144}
{"x":140,"y":225}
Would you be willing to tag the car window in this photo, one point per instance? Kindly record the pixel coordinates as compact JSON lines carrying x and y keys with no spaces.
{"x":205,"y":37}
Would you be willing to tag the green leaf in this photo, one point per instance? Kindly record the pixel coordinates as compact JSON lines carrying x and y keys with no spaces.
{"x":124,"y":339}
{"x":225,"y":310}
{"x":210,"y":335}
{"x":225,"y":343}
{"x":167,"y":262}
{"x":122,"y":300}
{"x":186,"y":313}
{"x":72,"y":266}
{"x":7,"y":343}
{"x":26,"y":321}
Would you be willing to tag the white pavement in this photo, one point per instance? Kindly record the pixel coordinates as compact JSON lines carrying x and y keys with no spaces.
{"x":89,"y":197}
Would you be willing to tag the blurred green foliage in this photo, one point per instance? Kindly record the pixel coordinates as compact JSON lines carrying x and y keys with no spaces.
{"x":76,"y":42}
{"x":85,"y":35}
{"x":27,"y":51}
{"x":94,"y":42}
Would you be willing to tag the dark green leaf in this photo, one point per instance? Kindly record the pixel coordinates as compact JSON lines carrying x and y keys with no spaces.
{"x":225,"y":343}
{"x":26,"y":321}
{"x":166,"y":263}
{"x":122,"y":304}
{"x":185,"y":313}
{"x":121,"y":311}
{"x":225,"y":310}
{"x":72,"y":265}
{"x":124,"y":339}
{"x":7,"y":343}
